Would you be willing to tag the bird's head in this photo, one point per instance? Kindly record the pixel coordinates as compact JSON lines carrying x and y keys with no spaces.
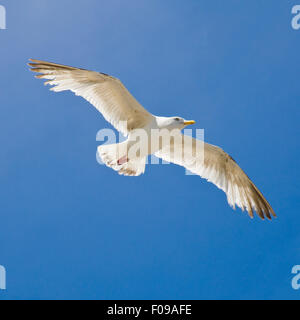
{"x":175,"y":123}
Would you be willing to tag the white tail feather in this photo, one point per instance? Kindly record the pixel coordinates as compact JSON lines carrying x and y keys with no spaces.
{"x":111,"y":155}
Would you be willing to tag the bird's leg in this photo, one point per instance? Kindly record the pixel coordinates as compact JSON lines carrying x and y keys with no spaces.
{"x":122,"y":160}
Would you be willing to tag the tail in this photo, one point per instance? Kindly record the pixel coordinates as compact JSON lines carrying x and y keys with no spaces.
{"x":115,"y":157}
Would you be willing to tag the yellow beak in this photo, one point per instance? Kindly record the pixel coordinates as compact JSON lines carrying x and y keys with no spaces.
{"x":187,"y":123}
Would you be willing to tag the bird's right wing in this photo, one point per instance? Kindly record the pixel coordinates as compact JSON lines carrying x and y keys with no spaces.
{"x":106,"y":93}
{"x":216,"y":166}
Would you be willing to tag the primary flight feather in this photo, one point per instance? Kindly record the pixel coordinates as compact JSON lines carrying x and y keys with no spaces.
{"x":122,"y":110}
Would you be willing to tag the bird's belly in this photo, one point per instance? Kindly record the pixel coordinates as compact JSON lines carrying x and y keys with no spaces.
{"x":146,"y":141}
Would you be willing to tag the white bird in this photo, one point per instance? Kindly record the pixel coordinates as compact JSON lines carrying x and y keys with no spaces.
{"x":122,"y":110}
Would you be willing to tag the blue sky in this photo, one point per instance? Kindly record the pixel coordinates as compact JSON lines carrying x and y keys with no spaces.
{"x":72,"y":229}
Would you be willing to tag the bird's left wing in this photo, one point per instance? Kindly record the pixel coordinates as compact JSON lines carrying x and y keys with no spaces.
{"x":105,"y":92}
{"x":216,"y":166}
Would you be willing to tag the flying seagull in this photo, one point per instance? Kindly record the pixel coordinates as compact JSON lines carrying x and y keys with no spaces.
{"x":123,"y":111}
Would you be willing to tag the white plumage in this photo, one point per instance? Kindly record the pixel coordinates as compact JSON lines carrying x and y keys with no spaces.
{"x":123,"y":111}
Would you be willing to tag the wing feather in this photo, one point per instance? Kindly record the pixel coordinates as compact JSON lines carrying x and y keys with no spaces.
{"x":105,"y":92}
{"x":216,"y":166}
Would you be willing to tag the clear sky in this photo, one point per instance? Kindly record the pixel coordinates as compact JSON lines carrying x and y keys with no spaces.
{"x":72,"y":229}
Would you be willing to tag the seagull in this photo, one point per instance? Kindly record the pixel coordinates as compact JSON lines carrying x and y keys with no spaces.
{"x":111,"y":98}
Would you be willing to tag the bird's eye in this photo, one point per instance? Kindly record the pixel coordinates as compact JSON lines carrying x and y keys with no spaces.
{"x":177,"y":119}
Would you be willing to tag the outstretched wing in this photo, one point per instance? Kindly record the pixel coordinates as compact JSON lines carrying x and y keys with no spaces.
{"x":106,"y":93}
{"x":215,"y":165}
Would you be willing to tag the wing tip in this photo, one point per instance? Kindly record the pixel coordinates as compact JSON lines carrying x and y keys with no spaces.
{"x":270,"y":215}
{"x":35,"y":60}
